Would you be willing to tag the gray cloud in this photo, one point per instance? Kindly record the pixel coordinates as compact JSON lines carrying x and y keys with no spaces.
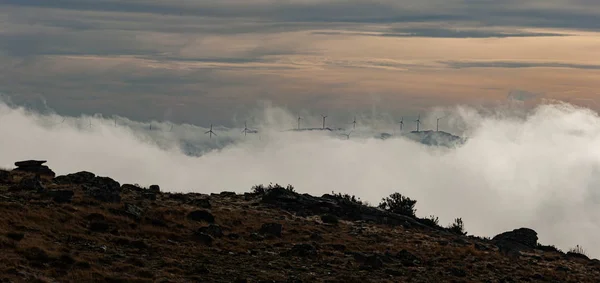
{"x":210,"y":53}
{"x":517,"y":64}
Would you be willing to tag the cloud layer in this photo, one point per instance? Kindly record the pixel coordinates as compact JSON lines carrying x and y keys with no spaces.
{"x":538,"y":169}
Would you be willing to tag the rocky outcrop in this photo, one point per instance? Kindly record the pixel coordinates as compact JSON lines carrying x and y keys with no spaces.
{"x":307,"y":205}
{"x":100,"y":188}
{"x":521,"y":239}
{"x":34,"y":166}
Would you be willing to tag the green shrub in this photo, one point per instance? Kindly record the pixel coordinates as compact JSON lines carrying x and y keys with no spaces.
{"x":261,"y":189}
{"x":399,"y":204}
{"x":457,"y":227}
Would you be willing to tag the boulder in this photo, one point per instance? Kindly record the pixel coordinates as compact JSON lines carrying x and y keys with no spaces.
{"x":521,"y":239}
{"x":213,"y":230}
{"x":34,"y":166}
{"x":301,"y":250}
{"x":61,"y":196}
{"x":32,"y":183}
{"x":102,"y":195}
{"x":273,"y":229}
{"x":30,"y":163}
{"x":154,"y":188}
{"x":4,"y":176}
{"x":201,"y":215}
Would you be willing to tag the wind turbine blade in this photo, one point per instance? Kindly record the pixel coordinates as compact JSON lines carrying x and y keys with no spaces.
{"x":207,"y":132}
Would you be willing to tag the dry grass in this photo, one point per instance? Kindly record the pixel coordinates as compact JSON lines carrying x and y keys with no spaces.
{"x":161,"y":246}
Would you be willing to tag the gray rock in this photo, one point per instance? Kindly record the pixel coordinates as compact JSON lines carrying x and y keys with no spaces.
{"x":61,"y":196}
{"x":32,"y":183}
{"x":201,"y":215}
{"x":212,"y":230}
{"x":273,"y":229}
{"x":521,"y":239}
{"x":154,"y":188}
{"x":30,"y":163}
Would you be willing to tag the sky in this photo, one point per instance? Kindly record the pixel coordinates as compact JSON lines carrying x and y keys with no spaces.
{"x":203,"y":62}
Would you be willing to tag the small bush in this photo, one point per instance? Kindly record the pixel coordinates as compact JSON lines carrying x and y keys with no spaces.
{"x":397,"y":203}
{"x":457,"y":227}
{"x":431,"y":221}
{"x":577,"y":250}
{"x":347,"y":198}
{"x":549,"y":248}
{"x":261,"y":189}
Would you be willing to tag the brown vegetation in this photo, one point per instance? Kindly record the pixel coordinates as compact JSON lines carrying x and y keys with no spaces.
{"x":152,"y":236}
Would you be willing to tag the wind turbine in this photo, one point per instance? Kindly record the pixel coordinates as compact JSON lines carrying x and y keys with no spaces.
{"x":299,"y":118}
{"x":353,"y":124}
{"x":401,"y":123}
{"x":324,"y":116}
{"x":437,"y":125}
{"x":245,"y":131}
{"x":348,"y":134}
{"x":210,"y":132}
{"x":418,"y":122}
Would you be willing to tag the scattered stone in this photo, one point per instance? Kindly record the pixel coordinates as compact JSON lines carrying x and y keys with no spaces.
{"x":316,"y":236}
{"x":329,"y":219}
{"x":201,"y":202}
{"x":32,"y":183}
{"x":227,"y":194}
{"x":407,"y":258}
{"x":34,"y":166}
{"x":4,"y":176}
{"x":301,"y":250}
{"x":201,"y":215}
{"x":457,"y":272}
{"x":99,"y":226}
{"x":131,"y":188}
{"x":15,"y":236}
{"x":204,"y":238}
{"x":577,"y":255}
{"x":82,"y":177}
{"x":212,"y":230}
{"x":154,"y":188}
{"x":95,"y":217}
{"x":338,"y":247}
{"x":102,"y":195}
{"x":61,"y":196}
{"x":36,"y":254}
{"x":149,"y":196}
{"x":372,"y":262}
{"x":256,"y":237}
{"x":271,"y":229}
{"x":133,"y":211}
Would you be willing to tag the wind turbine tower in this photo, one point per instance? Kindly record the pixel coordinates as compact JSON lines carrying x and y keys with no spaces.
{"x":401,"y":123}
{"x":324,"y":117}
{"x":437,"y":125}
{"x":418,"y":122}
{"x":245,"y":131}
{"x":210,"y":132}
{"x":299,"y":118}
{"x":353,"y":125}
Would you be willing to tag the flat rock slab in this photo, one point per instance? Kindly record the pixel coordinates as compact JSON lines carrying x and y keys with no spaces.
{"x":30,"y":163}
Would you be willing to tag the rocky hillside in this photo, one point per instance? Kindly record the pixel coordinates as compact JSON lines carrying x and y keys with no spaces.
{"x":85,"y":228}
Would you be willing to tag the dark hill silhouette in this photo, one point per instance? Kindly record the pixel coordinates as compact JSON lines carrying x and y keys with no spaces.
{"x":85,"y":228}
{"x":435,"y":138}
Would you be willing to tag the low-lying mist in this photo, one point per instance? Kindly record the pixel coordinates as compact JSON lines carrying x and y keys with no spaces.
{"x":538,"y":169}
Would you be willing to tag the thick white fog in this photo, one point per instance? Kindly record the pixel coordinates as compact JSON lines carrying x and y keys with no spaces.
{"x":537,"y":169}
